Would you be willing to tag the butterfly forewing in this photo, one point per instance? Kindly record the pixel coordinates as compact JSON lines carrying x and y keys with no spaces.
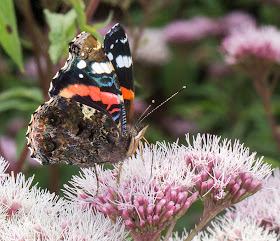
{"x":89,"y":78}
{"x":118,"y":52}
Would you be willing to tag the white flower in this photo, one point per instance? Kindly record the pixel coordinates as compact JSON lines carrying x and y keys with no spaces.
{"x":14,"y":193}
{"x":3,"y":167}
{"x":238,"y":229}
{"x":28,"y":213}
{"x":152,"y":48}
{"x":90,"y":224}
{"x":225,"y":228}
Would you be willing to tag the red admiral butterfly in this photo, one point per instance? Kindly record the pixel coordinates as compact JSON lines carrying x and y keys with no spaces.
{"x":88,"y":118}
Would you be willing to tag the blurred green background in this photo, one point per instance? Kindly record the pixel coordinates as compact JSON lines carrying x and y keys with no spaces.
{"x":219,"y":99}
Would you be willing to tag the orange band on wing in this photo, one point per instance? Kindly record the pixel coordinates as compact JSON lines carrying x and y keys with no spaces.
{"x":110,"y":99}
{"x":75,"y":89}
{"x":94,"y":92}
{"x":127,"y":94}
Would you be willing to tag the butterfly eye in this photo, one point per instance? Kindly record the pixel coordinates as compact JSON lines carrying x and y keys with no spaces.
{"x":75,"y":49}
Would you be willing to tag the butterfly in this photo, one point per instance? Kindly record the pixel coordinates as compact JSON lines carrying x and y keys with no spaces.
{"x":88,"y":119}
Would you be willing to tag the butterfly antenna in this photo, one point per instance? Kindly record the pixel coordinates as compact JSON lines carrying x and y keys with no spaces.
{"x":153,"y":101}
{"x":184,"y":87}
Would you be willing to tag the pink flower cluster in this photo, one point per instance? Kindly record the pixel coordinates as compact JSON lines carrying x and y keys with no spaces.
{"x":197,"y":28}
{"x":236,"y":21}
{"x":158,"y":185}
{"x":155,"y":188}
{"x":261,"y":44}
{"x":225,"y":173}
{"x":263,"y":207}
{"x":184,"y":31}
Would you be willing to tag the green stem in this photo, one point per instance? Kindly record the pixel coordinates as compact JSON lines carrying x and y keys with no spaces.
{"x":208,"y":214}
{"x":265,"y":92}
{"x":21,"y":159}
{"x":91,"y":8}
{"x":170,"y":229}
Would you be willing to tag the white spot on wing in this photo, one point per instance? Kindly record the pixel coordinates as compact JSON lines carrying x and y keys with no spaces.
{"x":82,"y":64}
{"x":65,"y":66}
{"x":51,"y":84}
{"x":81,"y":76}
{"x":47,"y":102}
{"x":123,"y":61}
{"x":106,"y":67}
{"x":101,"y":68}
{"x":129,"y":61}
{"x":119,"y":61}
{"x":69,"y":56}
{"x":110,"y":56}
{"x":112,"y":46}
{"x":124,"y":40}
{"x":56,"y":75}
{"x":96,"y":68}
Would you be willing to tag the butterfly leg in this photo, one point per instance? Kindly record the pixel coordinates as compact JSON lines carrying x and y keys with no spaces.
{"x":97,"y":178}
{"x":141,"y":147}
{"x":146,"y":141}
{"x":119,"y":172}
{"x":141,"y":151}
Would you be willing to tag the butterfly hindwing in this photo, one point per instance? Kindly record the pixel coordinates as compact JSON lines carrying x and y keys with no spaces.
{"x":117,"y":48}
{"x":63,"y":129}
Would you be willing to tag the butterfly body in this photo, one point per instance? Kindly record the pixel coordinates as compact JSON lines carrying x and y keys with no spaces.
{"x":84,"y":122}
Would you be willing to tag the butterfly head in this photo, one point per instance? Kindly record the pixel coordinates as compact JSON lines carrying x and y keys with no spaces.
{"x":86,"y":46}
{"x":137,"y":133}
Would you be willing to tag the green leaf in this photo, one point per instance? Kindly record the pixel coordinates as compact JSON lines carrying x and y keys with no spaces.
{"x":9,"y":38}
{"x":17,"y":104}
{"x":79,"y":7}
{"x":62,"y":30}
{"x":106,"y":22}
{"x":33,"y":94}
{"x":20,"y":98}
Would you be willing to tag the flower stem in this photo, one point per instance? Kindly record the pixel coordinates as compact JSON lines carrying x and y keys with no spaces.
{"x":21,"y":159}
{"x":208,"y":214}
{"x":38,"y":42}
{"x":265,"y":93}
{"x":170,"y":229}
{"x":54,"y":178}
{"x":91,"y":8}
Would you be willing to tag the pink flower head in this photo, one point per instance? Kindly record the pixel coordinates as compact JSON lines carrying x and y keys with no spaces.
{"x":255,"y":44}
{"x":152,"y":48}
{"x":225,"y":173}
{"x":264,"y":206}
{"x":237,"y":21}
{"x":154,"y":189}
{"x":185,"y":31}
